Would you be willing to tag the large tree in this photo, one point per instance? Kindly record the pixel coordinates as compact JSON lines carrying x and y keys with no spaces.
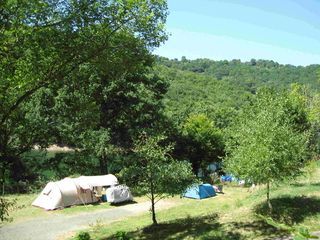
{"x":45,"y":44}
{"x":268,"y":140}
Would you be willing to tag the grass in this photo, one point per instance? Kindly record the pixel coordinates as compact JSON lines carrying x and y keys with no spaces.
{"x":233,"y":215}
{"x":24,"y":211}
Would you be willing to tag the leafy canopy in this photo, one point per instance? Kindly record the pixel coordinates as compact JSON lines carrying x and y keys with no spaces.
{"x":266,"y":144}
{"x":50,"y":47}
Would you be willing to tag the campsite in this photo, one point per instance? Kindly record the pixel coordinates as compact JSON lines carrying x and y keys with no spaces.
{"x":159,"y":119}
{"x":226,"y":216}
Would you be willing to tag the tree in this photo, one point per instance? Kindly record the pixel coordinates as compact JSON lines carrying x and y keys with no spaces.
{"x":155,"y":173}
{"x":118,"y":95}
{"x":265,"y":144}
{"x":203,"y":142}
{"x":46,"y":44}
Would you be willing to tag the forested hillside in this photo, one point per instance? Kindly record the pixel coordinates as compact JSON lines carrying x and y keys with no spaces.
{"x":204,"y":97}
{"x":250,"y":75}
{"x":217,"y":88}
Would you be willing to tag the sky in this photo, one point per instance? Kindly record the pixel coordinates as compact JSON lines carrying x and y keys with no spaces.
{"x":286,"y":31}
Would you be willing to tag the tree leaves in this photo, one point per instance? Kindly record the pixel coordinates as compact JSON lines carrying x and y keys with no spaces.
{"x":264,"y":142}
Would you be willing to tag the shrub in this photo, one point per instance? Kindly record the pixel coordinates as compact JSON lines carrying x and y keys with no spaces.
{"x":83,"y":236}
{"x":5,"y":206}
{"x":122,"y":235}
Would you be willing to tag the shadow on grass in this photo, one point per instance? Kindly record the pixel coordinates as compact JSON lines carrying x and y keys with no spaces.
{"x":98,"y":204}
{"x":205,"y":228}
{"x":123,"y":203}
{"x":305,"y":184}
{"x":291,"y":210}
{"x":258,"y":228}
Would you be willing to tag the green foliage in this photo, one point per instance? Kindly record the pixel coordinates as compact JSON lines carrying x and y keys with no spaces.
{"x":199,"y":127}
{"x":265,"y":144}
{"x":155,"y":164}
{"x":61,"y":60}
{"x":192,"y":94}
{"x":219,"y":88}
{"x":310,"y":170}
{"x":303,"y":233}
{"x":249,"y":75}
{"x":154,"y":172}
{"x":122,"y":235}
{"x":299,"y":233}
{"x":5,"y":206}
{"x":83,"y":236}
{"x":202,"y":142}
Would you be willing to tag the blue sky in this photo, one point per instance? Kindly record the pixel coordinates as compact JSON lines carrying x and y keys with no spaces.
{"x":281,"y":30}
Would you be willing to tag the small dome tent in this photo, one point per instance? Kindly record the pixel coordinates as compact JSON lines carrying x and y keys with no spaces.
{"x":200,"y":191}
{"x":72,"y":191}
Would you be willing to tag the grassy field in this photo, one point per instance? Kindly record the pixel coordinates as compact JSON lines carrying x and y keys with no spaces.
{"x":24,"y":211}
{"x":236,"y":214}
{"x":233,"y":215}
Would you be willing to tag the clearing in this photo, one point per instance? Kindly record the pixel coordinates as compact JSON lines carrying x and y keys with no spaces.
{"x":234,"y":215}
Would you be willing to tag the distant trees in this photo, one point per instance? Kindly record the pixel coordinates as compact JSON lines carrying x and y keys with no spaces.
{"x":269,"y":140}
{"x":250,"y":75}
{"x":155,"y":173}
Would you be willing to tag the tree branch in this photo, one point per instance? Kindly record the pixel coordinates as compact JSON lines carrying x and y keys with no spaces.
{"x":49,"y":76}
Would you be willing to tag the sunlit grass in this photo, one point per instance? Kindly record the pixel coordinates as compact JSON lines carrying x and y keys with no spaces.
{"x":23,"y":210}
{"x":233,"y":215}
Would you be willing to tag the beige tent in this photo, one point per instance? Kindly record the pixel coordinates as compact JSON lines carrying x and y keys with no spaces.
{"x":72,"y":191}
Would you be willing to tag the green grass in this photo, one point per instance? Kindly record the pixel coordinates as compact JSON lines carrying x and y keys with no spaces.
{"x":23,"y":210}
{"x":234,"y":215}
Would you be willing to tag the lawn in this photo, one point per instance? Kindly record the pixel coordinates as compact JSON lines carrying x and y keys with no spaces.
{"x":233,"y":215}
{"x":24,"y":211}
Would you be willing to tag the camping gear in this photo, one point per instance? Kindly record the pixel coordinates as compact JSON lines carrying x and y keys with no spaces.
{"x":104,"y":198}
{"x":117,"y":194}
{"x":218,"y":189}
{"x":73,"y":191}
{"x":241,"y":183}
{"x":200,"y":191}
{"x":227,"y":178}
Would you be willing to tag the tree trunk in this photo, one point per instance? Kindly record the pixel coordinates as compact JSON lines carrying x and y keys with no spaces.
{"x":268,"y":198}
{"x":2,"y":178}
{"x":103,"y":165}
{"x":153,"y":210}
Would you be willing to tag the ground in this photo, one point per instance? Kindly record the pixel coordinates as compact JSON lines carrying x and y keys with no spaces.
{"x":56,"y":225}
{"x":237,"y":214}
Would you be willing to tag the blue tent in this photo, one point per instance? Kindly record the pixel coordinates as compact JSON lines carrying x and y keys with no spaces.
{"x":200,"y":191}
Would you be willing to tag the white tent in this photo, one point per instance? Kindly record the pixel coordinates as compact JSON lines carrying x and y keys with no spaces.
{"x":72,"y":191}
{"x":117,"y":194}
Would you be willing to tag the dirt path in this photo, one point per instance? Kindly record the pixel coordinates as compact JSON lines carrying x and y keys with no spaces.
{"x":54,"y":226}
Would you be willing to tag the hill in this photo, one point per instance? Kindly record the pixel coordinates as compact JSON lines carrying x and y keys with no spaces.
{"x":219,"y":88}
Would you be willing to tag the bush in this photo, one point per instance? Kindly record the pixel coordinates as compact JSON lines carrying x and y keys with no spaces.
{"x":122,"y":235}
{"x":5,"y":206}
{"x":83,"y":236}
